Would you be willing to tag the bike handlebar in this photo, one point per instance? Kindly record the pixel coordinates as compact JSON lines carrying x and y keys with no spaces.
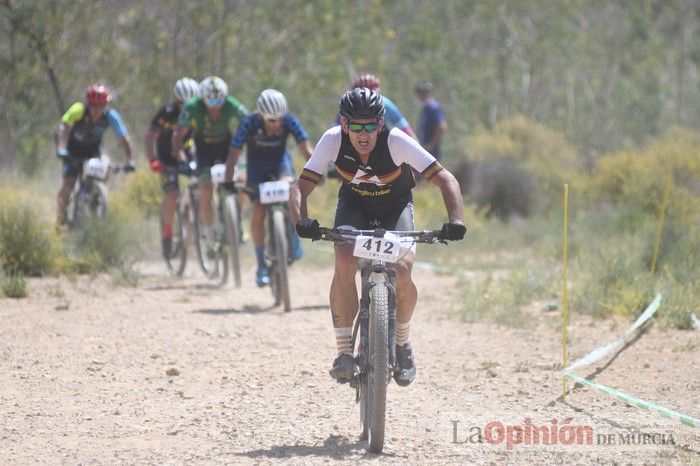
{"x":419,"y":236}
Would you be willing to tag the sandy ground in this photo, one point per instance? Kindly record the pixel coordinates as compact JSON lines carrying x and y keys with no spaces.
{"x":179,"y":372}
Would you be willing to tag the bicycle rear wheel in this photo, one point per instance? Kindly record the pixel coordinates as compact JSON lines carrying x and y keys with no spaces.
{"x":233,"y":236}
{"x":375,"y":381}
{"x":279,"y":276}
{"x":178,"y":253}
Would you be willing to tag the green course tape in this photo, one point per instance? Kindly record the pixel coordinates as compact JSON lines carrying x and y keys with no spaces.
{"x":601,"y":351}
{"x":637,"y":402}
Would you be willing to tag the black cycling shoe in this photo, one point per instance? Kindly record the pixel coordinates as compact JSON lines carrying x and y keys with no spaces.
{"x":407,"y":369}
{"x":344,"y":368}
{"x":167,"y":245}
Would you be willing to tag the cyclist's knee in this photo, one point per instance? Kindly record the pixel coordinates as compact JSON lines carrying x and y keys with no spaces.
{"x":403,"y":270}
{"x":345,"y":262}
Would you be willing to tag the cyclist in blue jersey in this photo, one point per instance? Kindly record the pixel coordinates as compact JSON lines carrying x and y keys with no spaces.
{"x":79,"y":136}
{"x":264,"y":133}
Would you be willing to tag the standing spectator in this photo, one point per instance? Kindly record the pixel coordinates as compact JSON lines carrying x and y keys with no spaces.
{"x":431,"y":122}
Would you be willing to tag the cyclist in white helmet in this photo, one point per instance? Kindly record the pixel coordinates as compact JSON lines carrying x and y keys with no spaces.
{"x":161,"y":157}
{"x":264,"y":133}
{"x":211,"y":118}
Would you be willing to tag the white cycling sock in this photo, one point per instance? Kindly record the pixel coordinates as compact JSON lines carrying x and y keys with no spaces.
{"x":402,"y":331}
{"x":343,"y":335}
{"x":208,"y":231}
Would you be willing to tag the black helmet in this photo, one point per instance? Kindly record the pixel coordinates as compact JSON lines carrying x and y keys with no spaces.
{"x":361,"y":102}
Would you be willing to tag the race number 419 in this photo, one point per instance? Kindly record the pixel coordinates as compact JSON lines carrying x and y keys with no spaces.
{"x":386,"y":249}
{"x":274,"y":191}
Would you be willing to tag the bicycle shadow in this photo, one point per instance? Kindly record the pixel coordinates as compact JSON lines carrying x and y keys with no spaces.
{"x":248,"y":309}
{"x":312,"y":307}
{"x":335,"y":447}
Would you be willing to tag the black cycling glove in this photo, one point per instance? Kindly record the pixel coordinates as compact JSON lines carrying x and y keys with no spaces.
{"x":308,"y":228}
{"x":129,"y":167}
{"x":229,"y":186}
{"x":453,"y":231}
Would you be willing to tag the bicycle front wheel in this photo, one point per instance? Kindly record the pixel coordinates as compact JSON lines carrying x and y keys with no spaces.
{"x":213,"y":262}
{"x":377,"y":376}
{"x":279,"y":277}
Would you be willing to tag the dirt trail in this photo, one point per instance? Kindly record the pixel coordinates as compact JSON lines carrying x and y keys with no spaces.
{"x":179,"y":372}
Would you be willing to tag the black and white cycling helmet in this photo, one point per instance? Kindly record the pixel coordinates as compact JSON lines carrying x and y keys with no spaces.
{"x":361,"y":103}
{"x":213,"y":90}
{"x":185,"y":89}
{"x":272,"y":104}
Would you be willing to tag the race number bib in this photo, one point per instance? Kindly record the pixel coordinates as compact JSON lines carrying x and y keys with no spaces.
{"x":218,"y":172}
{"x":274,"y":191}
{"x":386,"y":249}
{"x":97,"y":168}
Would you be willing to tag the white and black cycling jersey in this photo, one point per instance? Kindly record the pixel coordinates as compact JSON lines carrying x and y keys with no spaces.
{"x":387,"y":175}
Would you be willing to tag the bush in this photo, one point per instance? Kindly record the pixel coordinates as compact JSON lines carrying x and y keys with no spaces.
{"x":27,"y":244}
{"x":669,"y":164}
{"x":504,"y":189}
{"x":100,"y":244}
{"x":141,"y":197}
{"x":523,"y":149}
{"x":14,"y":286}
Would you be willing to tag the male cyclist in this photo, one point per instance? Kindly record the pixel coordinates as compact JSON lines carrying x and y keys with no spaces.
{"x":375,"y":164}
{"x":264,"y":133}
{"x":393,"y":116}
{"x":163,"y":160}
{"x":210,"y":117}
{"x":79,"y":136}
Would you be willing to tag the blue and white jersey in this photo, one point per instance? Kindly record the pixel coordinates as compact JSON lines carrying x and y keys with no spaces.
{"x":265,"y":153}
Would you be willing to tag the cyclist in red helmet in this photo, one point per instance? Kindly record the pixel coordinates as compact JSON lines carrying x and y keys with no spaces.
{"x":79,"y":137}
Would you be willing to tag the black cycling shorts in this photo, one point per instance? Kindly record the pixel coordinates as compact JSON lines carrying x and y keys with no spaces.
{"x":209,"y":154}
{"x":396,"y":215}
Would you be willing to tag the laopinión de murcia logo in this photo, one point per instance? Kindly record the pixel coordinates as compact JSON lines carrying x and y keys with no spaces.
{"x":564,"y":433}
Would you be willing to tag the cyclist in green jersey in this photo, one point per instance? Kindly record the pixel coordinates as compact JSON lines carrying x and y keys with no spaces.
{"x":210,"y":117}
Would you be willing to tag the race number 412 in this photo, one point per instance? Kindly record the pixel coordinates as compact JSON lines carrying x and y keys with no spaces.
{"x":386,"y":249}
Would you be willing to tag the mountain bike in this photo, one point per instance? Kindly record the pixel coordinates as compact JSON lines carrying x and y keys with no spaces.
{"x":274,"y":195}
{"x":90,"y":194}
{"x":374,"y":331}
{"x":213,"y":257}
{"x":183,"y":221}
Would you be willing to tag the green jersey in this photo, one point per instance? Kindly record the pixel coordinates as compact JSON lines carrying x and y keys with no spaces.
{"x":195,"y":116}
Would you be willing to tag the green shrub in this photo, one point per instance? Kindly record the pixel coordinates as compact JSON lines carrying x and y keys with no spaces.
{"x":14,"y":286}
{"x":141,"y":196}
{"x":504,"y":189}
{"x":100,"y":244}
{"x":669,"y":164}
{"x":27,"y":244}
{"x":540,"y":151}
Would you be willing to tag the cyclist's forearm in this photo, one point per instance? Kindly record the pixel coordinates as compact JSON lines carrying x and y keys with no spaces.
{"x":451,"y":195}
{"x":62,"y":131}
{"x":149,"y":145}
{"x":297,"y":199}
{"x":177,"y":138}
{"x":231,"y":160}
{"x":306,"y":149}
{"x":128,"y":150}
